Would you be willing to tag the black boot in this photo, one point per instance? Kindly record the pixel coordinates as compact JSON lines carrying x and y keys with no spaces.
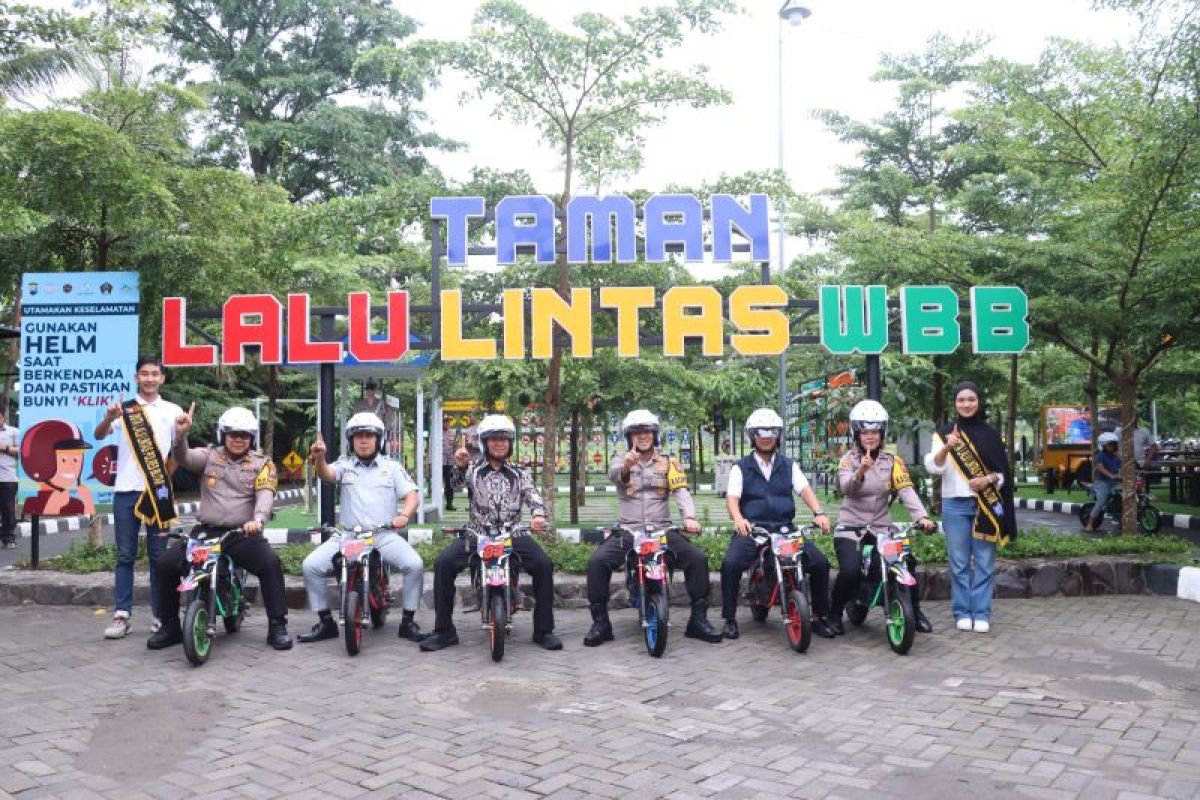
{"x":731,"y":629}
{"x":409,"y":629}
{"x":601,"y":630}
{"x":923,"y":625}
{"x":835,"y":621}
{"x":823,"y":627}
{"x":169,"y":634}
{"x":698,"y":627}
{"x":277,"y":635}
{"x":439,"y":639}
{"x":325,"y":628}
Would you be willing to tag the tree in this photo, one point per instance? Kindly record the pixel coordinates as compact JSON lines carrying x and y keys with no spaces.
{"x":274,"y":71}
{"x":1096,"y":202}
{"x":590,"y":94}
{"x":37,"y":48}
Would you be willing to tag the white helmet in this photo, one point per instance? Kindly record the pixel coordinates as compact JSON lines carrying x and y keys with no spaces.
{"x":639,"y":420}
{"x":238,"y":420}
{"x":868,"y":415}
{"x":763,"y":421}
{"x":1107,"y":438}
{"x":496,"y":425}
{"x":366,"y":422}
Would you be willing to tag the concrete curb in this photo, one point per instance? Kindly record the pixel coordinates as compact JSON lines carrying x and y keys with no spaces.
{"x":52,"y":525}
{"x":1030,"y":578}
{"x":1189,"y":522}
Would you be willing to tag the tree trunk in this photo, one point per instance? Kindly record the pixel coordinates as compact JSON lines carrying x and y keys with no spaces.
{"x":1127,"y":386}
{"x":574,"y":475}
{"x":587,"y":421}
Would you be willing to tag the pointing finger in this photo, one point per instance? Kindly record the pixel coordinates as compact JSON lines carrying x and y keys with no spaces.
{"x":192,"y":408}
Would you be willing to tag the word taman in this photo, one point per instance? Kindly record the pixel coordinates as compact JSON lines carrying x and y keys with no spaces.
{"x":852,"y":319}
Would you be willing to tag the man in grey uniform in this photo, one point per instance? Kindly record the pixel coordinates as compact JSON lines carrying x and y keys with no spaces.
{"x":371,"y":485}
{"x":237,"y":491}
{"x":646,"y":479}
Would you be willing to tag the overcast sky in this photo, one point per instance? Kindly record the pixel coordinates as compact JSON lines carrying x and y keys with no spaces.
{"x":828,"y":62}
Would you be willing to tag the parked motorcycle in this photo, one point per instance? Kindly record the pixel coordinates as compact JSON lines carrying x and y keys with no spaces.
{"x":495,"y":579}
{"x":363,"y":578}
{"x":780,"y":581}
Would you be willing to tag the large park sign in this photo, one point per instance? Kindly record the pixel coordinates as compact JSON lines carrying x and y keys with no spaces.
{"x":852,"y":319}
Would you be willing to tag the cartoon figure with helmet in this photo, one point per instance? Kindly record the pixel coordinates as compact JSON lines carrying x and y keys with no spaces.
{"x":52,"y":453}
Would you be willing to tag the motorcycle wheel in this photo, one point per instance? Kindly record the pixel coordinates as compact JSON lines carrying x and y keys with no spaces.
{"x":797,"y":621}
{"x":379,"y":596}
{"x":1149,"y":520}
{"x":197,"y":643}
{"x":856,"y":612}
{"x":498,"y":627}
{"x":655,"y":630}
{"x":1085,"y":514}
{"x":901,"y":623}
{"x":352,"y":613}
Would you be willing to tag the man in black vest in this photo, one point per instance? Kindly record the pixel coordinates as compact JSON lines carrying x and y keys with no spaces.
{"x":760,"y":492}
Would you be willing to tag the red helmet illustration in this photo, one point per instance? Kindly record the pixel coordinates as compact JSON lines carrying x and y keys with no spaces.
{"x":104,"y":465}
{"x":42,"y":441}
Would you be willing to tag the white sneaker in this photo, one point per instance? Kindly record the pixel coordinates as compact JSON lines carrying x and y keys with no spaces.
{"x":963,"y":624}
{"x":982,"y":626}
{"x":117,"y":628}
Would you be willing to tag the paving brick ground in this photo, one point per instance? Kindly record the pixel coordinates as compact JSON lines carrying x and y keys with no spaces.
{"x":1069,"y":697}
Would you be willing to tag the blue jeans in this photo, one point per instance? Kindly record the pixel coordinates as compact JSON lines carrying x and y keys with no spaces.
{"x":127,"y":526}
{"x":1102,"y":490}
{"x":972,"y":561}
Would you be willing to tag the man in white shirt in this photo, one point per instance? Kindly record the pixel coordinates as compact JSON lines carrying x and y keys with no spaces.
{"x":9,"y":447}
{"x":130,"y":485}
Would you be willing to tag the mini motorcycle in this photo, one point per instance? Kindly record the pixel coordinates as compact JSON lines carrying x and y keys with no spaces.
{"x":887,"y":582}
{"x":649,"y":580}
{"x":363,"y":578}
{"x":495,"y":579}
{"x":782,"y":583}
{"x":211,"y":589}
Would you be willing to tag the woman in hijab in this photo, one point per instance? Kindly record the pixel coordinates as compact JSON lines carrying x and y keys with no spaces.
{"x":977,"y":505}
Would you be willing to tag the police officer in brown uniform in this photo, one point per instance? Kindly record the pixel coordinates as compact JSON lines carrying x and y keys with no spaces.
{"x":646,"y":479}
{"x":237,"y":491}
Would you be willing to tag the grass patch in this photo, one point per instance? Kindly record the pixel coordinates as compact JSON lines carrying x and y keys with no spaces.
{"x":1158,"y":492}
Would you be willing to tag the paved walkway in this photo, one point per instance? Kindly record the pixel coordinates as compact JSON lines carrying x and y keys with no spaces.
{"x":1093,"y":697}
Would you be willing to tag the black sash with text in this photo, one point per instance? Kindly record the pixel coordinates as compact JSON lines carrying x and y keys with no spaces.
{"x":156,"y":506}
{"x":988,"y":525}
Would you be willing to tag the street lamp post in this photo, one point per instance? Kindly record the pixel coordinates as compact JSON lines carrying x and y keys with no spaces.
{"x":793,"y":13}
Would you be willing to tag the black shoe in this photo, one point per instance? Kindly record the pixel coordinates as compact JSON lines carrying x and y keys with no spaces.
{"x":822,"y":627}
{"x":731,"y":629}
{"x":548,"y":640}
{"x":923,"y":623}
{"x":698,"y":626}
{"x":165,"y":636}
{"x":451,"y":508}
{"x":835,"y":625}
{"x":325,"y":628}
{"x":439,"y":639}
{"x":409,"y":629}
{"x":277,"y":635}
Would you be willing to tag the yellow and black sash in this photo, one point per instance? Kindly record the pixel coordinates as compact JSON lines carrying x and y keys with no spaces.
{"x":156,"y":506}
{"x":967,"y":461}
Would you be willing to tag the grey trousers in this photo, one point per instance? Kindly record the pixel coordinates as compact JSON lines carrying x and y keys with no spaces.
{"x":396,"y":553}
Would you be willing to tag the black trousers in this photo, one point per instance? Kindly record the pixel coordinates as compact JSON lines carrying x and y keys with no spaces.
{"x":611,"y":555}
{"x":531,"y":558}
{"x":252,"y":553}
{"x":447,"y":489}
{"x":742,"y":554}
{"x":8,"y":511}
{"x":850,"y":573}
